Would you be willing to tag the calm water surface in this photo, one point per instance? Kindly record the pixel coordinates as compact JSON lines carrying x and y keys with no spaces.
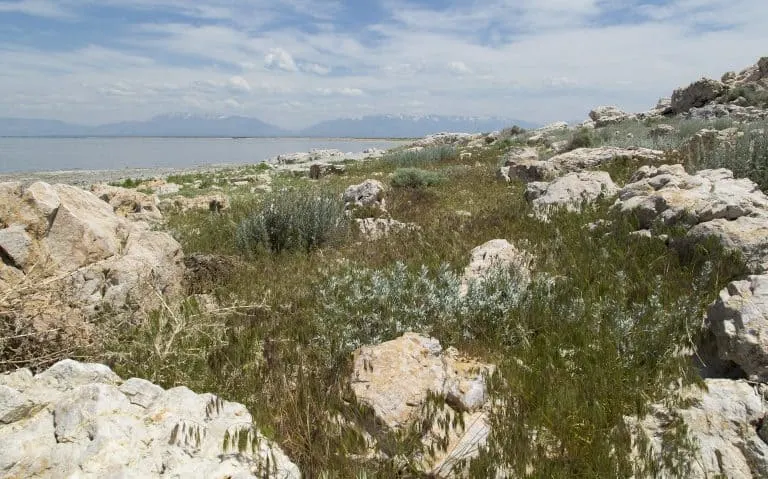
{"x":47,"y":154}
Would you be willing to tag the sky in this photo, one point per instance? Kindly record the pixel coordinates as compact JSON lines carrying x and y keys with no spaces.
{"x":295,"y":62}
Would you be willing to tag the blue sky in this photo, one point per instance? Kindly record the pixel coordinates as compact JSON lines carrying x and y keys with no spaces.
{"x":295,"y":62}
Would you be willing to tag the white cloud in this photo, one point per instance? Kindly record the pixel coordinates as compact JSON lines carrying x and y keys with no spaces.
{"x":38,"y":8}
{"x":280,"y":59}
{"x":238,"y":84}
{"x":540,"y":60}
{"x":316,"y":69}
{"x":560,"y":82}
{"x":346,"y":91}
{"x":460,"y":68}
{"x":232,"y":103}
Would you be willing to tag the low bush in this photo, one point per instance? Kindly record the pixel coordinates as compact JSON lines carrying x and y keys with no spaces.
{"x":415,"y":178}
{"x":291,"y":220}
{"x":747,"y":157}
{"x":582,"y":138}
{"x":128,"y":183}
{"x":753,"y":96}
{"x":429,"y":155}
{"x":360,"y":306}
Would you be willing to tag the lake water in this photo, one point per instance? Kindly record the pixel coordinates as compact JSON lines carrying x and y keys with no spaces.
{"x":47,"y":154}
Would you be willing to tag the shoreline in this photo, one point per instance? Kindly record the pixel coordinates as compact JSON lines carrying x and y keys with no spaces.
{"x":90,"y":177}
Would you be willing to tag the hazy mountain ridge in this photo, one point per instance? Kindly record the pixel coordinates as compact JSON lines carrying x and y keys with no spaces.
{"x":192,"y":125}
{"x":403,"y":126}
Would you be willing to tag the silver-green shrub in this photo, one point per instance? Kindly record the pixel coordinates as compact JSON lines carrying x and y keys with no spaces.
{"x":291,"y":219}
{"x":365,"y":306}
{"x":415,"y":178}
{"x":429,"y":155}
{"x":746,"y":156}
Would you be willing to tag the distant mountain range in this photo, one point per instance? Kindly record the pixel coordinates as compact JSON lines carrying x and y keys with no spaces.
{"x":191,"y":125}
{"x":407,"y":126}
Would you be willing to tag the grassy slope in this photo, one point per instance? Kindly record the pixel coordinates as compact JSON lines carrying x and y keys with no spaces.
{"x":597,"y":339}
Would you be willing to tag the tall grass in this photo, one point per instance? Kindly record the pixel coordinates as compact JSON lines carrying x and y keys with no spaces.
{"x":595,"y":337}
{"x":746,"y":156}
{"x":414,"y":158}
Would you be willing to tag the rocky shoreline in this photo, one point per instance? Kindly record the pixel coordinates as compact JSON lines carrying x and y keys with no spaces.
{"x":75,"y":260}
{"x":299,"y":161}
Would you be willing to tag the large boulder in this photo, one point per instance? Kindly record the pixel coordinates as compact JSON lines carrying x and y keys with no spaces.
{"x":395,"y":380}
{"x":712,"y":203}
{"x":84,"y":230}
{"x":722,"y":421}
{"x":527,"y":168}
{"x":738,"y":321}
{"x":523,"y":163}
{"x":129,"y":203}
{"x":697,"y":94}
{"x":369,"y":193}
{"x":15,"y":246}
{"x":588,"y":158}
{"x":497,"y":253}
{"x":570,"y":191}
{"x":68,"y":259}
{"x":214,"y":203}
{"x":747,"y":235}
{"x":755,"y":75}
{"x":82,"y":420}
{"x":707,"y":141}
{"x":608,"y":115}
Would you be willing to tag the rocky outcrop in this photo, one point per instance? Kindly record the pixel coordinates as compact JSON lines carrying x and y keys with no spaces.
{"x":446,"y":138}
{"x":498,"y":253}
{"x":521,"y":163}
{"x":129,"y":203}
{"x":313,"y":156}
{"x":706,"y":141}
{"x":374,"y":229}
{"x":82,"y":420}
{"x":570,"y":191}
{"x":738,"y":321}
{"x":740,"y":96}
{"x":723,"y":421}
{"x":733,"y":111}
{"x":755,"y":74}
{"x":697,"y":94}
{"x":68,"y":258}
{"x":528,"y":169}
{"x":369,"y":193}
{"x":395,"y":380}
{"x":712,"y":203}
{"x":215,"y":203}
{"x":608,"y":115}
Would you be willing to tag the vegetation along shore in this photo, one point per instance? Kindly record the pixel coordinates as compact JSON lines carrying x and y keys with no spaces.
{"x":570,"y":301}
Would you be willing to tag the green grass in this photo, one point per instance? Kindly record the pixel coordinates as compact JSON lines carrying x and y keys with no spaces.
{"x":747,"y":156}
{"x":603,"y":323}
{"x":581,"y":138}
{"x":128,"y":183}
